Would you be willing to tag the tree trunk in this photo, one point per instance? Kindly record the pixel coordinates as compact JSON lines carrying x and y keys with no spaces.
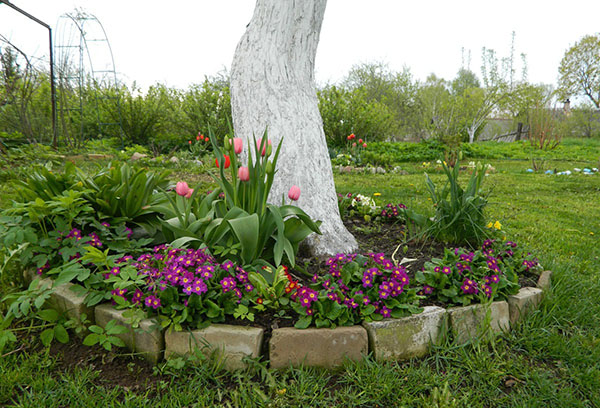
{"x":272,"y":87}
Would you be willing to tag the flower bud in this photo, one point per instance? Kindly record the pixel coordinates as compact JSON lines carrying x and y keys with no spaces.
{"x":294,"y":193}
{"x":238,"y":145}
{"x":243,"y":174}
{"x":226,"y":142}
{"x":269,"y":168}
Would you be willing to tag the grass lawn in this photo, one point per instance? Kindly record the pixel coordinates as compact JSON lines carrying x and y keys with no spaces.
{"x":551,"y":360}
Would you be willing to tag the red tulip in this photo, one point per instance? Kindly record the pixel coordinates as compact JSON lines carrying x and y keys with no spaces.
{"x":238,"y":145}
{"x":294,"y":193}
{"x":360,"y":141}
{"x":189,"y":142}
{"x":364,"y":145}
{"x":244,"y":173}
{"x":206,"y":139}
{"x":182,"y":188}
{"x":227,"y":162}
{"x":351,"y":137}
{"x":198,"y":138}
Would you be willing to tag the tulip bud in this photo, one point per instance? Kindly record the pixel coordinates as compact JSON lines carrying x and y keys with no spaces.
{"x":269,"y":168}
{"x":460,"y":155}
{"x":243,"y":174}
{"x":294,"y":193}
{"x":238,"y":145}
{"x":259,"y":143}
{"x":269,"y":149}
{"x":182,"y":188}
{"x":226,"y":142}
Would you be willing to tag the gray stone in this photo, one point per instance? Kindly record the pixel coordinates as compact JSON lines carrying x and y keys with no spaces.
{"x":469,"y":322}
{"x":408,"y":337}
{"x":147,"y":339}
{"x":380,"y":170}
{"x":66,"y":301}
{"x":545,"y":281}
{"x":347,"y":169}
{"x":137,"y":156}
{"x":523,"y":303}
{"x":317,"y":347}
{"x":174,"y":159}
{"x":227,"y":342}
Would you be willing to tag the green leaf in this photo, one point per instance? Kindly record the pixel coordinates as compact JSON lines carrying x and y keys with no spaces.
{"x":96,"y":329}
{"x":61,"y":333}
{"x":47,"y":336}
{"x":303,"y":322}
{"x":246,"y":230}
{"x":49,"y":315}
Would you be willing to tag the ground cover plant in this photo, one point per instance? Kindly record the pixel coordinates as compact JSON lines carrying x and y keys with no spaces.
{"x":550,"y":359}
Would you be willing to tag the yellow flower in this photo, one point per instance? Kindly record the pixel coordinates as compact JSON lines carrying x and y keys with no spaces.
{"x":497,"y":225}
{"x":376,"y":194}
{"x":282,"y":391}
{"x":490,"y":225}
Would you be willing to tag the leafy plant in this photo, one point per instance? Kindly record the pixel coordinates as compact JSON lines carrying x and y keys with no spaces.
{"x":240,"y":226}
{"x":107,"y":336}
{"x":357,"y":288}
{"x":459,"y":213}
{"x":462,"y":276}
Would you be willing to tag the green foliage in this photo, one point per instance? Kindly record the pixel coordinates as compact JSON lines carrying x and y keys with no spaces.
{"x":349,"y":111}
{"x":579,"y":70}
{"x":126,"y":194}
{"x":107,"y":336}
{"x":241,"y":226}
{"x":462,"y":277}
{"x":459,"y":213}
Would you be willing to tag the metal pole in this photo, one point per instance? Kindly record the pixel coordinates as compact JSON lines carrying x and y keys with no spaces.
{"x":52,"y":86}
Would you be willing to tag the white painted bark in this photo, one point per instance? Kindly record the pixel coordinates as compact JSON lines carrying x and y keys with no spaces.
{"x":272,"y":86}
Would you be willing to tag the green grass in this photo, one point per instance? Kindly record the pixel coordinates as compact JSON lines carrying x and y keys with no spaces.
{"x":552,"y":359}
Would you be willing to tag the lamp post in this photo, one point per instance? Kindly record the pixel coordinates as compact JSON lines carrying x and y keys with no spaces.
{"x":52,"y":86}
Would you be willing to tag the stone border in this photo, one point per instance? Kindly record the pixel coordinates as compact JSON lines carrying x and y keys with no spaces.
{"x":389,"y":339}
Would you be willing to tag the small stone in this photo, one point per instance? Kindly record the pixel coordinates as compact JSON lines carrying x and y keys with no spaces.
{"x":469,"y":322}
{"x":66,"y":301}
{"x":230,"y":343}
{"x":523,"y":303}
{"x":137,"y":156}
{"x":380,"y":170}
{"x":174,"y":159}
{"x":545,"y":281}
{"x":97,"y":156}
{"x":347,"y":169}
{"x":372,"y":170}
{"x":408,"y":337}
{"x":147,"y":339}
{"x":317,"y":347}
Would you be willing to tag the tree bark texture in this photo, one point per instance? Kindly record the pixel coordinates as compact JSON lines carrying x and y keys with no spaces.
{"x":273,"y":87}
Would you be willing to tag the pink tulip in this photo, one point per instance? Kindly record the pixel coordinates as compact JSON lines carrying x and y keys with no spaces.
{"x":189,"y":193}
{"x":264,"y":150}
{"x":294,"y":193}
{"x":244,"y":173}
{"x":238,"y":145}
{"x":182,"y":188}
{"x":354,"y":144}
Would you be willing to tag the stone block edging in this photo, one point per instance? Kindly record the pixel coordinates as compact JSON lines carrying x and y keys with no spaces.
{"x":147,"y":339}
{"x":389,"y":339}
{"x":409,"y":337}
{"x":313,"y":347}
{"x":230,"y":343}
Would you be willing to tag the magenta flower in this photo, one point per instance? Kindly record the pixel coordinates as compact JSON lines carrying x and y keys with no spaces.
{"x":238,"y":145}
{"x":182,"y":188}
{"x":152,"y":301}
{"x":243,"y":174}
{"x":227,"y":283}
{"x":294,"y":193}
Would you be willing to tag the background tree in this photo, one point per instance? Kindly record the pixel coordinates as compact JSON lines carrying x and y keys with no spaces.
{"x":273,"y":88}
{"x":579,"y":70}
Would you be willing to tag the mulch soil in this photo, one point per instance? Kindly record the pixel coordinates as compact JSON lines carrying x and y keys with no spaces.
{"x":135,"y":374}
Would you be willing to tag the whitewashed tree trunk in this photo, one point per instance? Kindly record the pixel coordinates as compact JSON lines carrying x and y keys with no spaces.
{"x":272,"y":86}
